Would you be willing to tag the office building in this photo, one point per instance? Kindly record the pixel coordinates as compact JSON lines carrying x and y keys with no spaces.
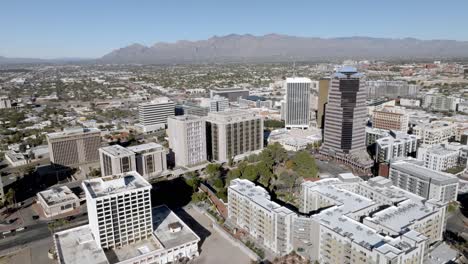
{"x":378,"y":103}
{"x":296,"y":139}
{"x":187,"y":139}
{"x":218,"y":103}
{"x":408,"y":102}
{"x":434,"y":133}
{"x":396,"y":145}
{"x":439,"y":157}
{"x":73,"y":147}
{"x":297,"y":102}
{"x":439,"y":102}
{"x":345,"y":120}
{"x":391,"y":118}
{"x":116,"y":159}
{"x":191,"y":109}
{"x":324,"y":85}
{"x":390,"y":89}
{"x":232,"y":94}
{"x":153,"y":115}
{"x":5,"y":102}
{"x":427,"y":183}
{"x":57,"y":201}
{"x":124,"y":229}
{"x":233,"y":134}
{"x":250,"y":207}
{"x":150,"y":159}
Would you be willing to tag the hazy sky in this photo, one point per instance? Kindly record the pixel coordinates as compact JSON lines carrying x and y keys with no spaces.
{"x":85,"y":28}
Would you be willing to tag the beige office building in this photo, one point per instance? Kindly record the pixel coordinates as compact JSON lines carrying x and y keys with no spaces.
{"x":390,"y":118}
{"x":116,"y":159}
{"x":234,"y":134}
{"x":74,"y":147}
{"x":150,"y":159}
{"x":187,"y":139}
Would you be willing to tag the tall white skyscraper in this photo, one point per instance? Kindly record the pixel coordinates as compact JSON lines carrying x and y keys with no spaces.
{"x":187,"y":139}
{"x":297,"y":113}
{"x":153,"y":115}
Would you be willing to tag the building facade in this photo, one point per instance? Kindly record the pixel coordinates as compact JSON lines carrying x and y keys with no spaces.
{"x":150,"y":159}
{"x":187,"y":139}
{"x":232,"y":94}
{"x":424,"y":182}
{"x":434,"y":133}
{"x":324,"y":85}
{"x":345,"y":120}
{"x":396,"y":145}
{"x":218,"y":104}
{"x":73,"y":147}
{"x":439,"y":102}
{"x":153,"y":115}
{"x":391,"y":118}
{"x":439,"y":157}
{"x":298,"y":92}
{"x":116,"y":159}
{"x":57,"y":201}
{"x":233,"y":134}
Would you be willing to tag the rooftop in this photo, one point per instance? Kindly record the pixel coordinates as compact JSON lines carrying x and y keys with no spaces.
{"x":117,"y":151}
{"x":145,"y":147}
{"x":231,"y":116}
{"x":73,"y":132}
{"x":423,"y":172}
{"x":159,"y":100}
{"x":298,"y":80}
{"x":114,"y":184}
{"x":57,"y":195}
{"x":186,"y":118}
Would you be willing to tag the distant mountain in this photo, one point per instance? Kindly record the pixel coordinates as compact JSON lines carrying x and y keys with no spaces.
{"x":274,"y":47}
{"x":6,"y":60}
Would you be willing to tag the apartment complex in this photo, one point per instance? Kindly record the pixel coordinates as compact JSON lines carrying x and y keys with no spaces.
{"x":187,"y":139}
{"x":250,"y":207}
{"x":73,"y":147}
{"x":116,"y":159}
{"x":439,"y":157}
{"x":297,"y":114}
{"x":232,"y":94}
{"x":372,"y":134}
{"x":434,"y":133}
{"x":218,"y":103}
{"x":345,"y":120}
{"x":342,"y":220}
{"x":391,"y":89}
{"x":233,"y":134}
{"x":123,"y":228}
{"x":150,"y":159}
{"x":153,"y":115}
{"x":424,"y":182}
{"x":5,"y":102}
{"x":395,"y":145}
{"x":390,"y":118}
{"x":324,"y":85}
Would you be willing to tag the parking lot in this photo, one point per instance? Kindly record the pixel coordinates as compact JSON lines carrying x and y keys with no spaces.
{"x":214,"y":248}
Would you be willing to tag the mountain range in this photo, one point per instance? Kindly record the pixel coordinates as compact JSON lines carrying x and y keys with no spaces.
{"x":279,"y":48}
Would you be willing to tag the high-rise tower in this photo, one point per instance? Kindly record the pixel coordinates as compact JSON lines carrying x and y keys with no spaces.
{"x":297,"y":113}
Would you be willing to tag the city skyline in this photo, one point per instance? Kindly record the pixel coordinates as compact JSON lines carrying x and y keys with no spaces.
{"x":56,"y":29}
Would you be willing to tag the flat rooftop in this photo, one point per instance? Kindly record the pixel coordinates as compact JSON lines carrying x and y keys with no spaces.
{"x":232,"y":115}
{"x":57,"y":195}
{"x":73,"y":132}
{"x":159,"y":100}
{"x":146,"y":147}
{"x":186,"y":118}
{"x":130,"y":251}
{"x":114,"y":184}
{"x":228,"y":89}
{"x":77,"y":246}
{"x":117,"y":151}
{"x":298,"y":80}
{"x":170,"y":230}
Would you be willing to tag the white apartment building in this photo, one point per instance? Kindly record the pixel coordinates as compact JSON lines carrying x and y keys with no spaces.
{"x":410,"y":102}
{"x":391,"y":118}
{"x":439,"y":157}
{"x":427,"y":183}
{"x":150,"y":159}
{"x":391,"y":89}
{"x":153,"y":115}
{"x":434,"y":133}
{"x":218,"y":103}
{"x":298,"y":92}
{"x":234,"y":134}
{"x":116,"y":159}
{"x":187,"y":139}
{"x":396,"y":145}
{"x":124,"y":229}
{"x":439,"y":102}
{"x":251,"y":208}
{"x":372,"y":134}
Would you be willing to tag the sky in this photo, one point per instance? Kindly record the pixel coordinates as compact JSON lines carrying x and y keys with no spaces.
{"x":92,"y":28}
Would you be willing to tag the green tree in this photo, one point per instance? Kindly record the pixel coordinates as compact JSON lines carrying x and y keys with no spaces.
{"x":10,"y":196}
{"x":218,"y":184}
{"x":265,"y":173}
{"x":278,"y":153}
{"x":213,"y":170}
{"x":288,"y":179}
{"x":304,"y":164}
{"x":231,"y":175}
{"x":193,"y":182}
{"x":250,"y":173}
{"x":199,"y":197}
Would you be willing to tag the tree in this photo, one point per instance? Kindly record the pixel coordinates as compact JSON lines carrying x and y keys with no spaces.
{"x":213,"y":170}
{"x":10,"y":196}
{"x":278,"y":153}
{"x":199,"y":197}
{"x":218,"y":184}
{"x":193,"y":182}
{"x":304,"y":164}
{"x":231,"y":175}
{"x":288,"y":179}
{"x":250,"y":173}
{"x":264,"y":172}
